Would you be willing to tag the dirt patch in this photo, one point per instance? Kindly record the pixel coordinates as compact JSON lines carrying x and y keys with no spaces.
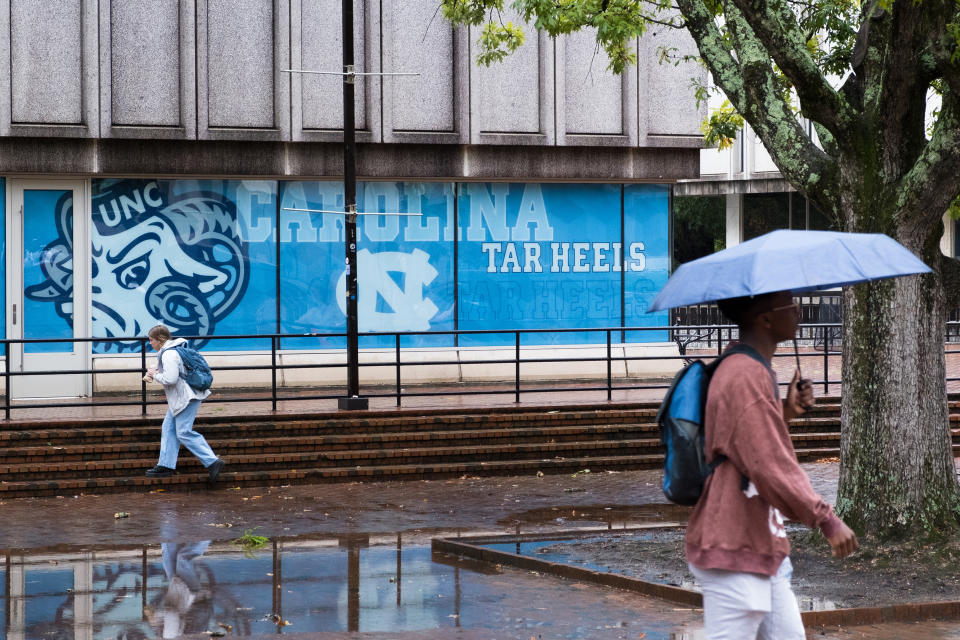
{"x":875,"y":575}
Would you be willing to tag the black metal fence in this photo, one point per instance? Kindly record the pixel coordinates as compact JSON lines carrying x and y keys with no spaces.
{"x":817,"y":308}
{"x":717,"y":337}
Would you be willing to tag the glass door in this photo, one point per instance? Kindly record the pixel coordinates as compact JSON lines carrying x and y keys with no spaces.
{"x":45,"y":287}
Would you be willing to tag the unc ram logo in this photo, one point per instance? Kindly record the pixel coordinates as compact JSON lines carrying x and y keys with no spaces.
{"x":157,"y":257}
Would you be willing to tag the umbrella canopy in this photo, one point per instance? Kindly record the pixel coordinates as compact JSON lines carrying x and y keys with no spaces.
{"x":788,"y":260}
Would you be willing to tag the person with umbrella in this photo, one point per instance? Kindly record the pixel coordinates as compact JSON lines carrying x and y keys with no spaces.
{"x":736,"y":543}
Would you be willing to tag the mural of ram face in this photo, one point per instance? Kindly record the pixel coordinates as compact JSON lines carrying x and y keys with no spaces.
{"x":158,"y":257}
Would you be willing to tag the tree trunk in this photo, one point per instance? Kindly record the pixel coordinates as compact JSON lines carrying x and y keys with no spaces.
{"x":897,"y":475}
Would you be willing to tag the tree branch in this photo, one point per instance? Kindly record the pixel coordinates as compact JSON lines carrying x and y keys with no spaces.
{"x":775,"y":25}
{"x":714,"y":51}
{"x":767,"y":110}
{"x":922,"y":195}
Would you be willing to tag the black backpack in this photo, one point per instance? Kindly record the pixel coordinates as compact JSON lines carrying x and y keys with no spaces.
{"x":681,"y":417}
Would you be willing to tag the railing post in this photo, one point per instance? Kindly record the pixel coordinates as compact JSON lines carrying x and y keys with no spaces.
{"x":398,"y":368}
{"x":6,"y":380}
{"x":143,"y":372}
{"x":517,"y":362}
{"x":609,"y":368}
{"x":273,"y":372}
{"x":826,"y":362}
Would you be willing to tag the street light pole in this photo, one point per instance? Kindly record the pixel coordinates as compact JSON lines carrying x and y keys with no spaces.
{"x":353,"y":399}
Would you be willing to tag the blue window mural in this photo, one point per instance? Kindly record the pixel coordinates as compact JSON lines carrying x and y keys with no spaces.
{"x":201,"y":256}
{"x":48,"y":268}
{"x":646,"y":222}
{"x":539,"y":256}
{"x":405,"y":277}
{"x":195,"y":255}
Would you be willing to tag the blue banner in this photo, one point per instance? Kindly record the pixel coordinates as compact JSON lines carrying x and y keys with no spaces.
{"x":405,"y":274}
{"x":200,"y":256}
{"x":539,"y":256}
{"x":646,"y":219}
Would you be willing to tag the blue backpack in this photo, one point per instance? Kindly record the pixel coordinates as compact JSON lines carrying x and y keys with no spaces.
{"x":681,"y":417}
{"x":196,"y":372}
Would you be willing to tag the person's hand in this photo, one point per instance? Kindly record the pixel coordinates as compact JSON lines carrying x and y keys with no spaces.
{"x":799,"y":397}
{"x":148,"y":378}
{"x":843,"y":542}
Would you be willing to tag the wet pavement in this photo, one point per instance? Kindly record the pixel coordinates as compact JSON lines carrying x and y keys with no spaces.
{"x":339,"y":558}
{"x":340,"y":561}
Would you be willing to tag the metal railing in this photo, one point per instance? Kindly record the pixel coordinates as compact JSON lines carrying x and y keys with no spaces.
{"x":817,"y":308}
{"x":518,"y":340}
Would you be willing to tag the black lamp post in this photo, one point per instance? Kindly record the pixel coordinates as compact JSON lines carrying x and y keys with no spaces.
{"x":352,"y":399}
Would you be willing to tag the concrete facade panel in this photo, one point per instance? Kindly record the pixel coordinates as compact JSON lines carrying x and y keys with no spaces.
{"x":510,"y":91}
{"x":665,"y":86}
{"x":145,"y":62}
{"x":321,"y":49}
{"x":240,"y":63}
{"x":425,"y":45}
{"x":46,"y":61}
{"x":593,"y":97}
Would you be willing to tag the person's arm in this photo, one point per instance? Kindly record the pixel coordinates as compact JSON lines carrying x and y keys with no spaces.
{"x":171,"y":368}
{"x":760,"y":451}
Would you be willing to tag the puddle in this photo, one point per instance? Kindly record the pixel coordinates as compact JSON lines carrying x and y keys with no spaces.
{"x":650,"y":555}
{"x":365,"y":583}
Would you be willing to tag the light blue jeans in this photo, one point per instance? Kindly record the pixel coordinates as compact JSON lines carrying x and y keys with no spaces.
{"x":177,"y":430}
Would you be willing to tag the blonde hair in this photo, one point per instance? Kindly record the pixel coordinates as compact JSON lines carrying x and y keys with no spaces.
{"x":159,"y":333}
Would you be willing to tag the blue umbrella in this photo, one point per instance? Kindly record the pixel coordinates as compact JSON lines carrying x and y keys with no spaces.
{"x":788,"y":260}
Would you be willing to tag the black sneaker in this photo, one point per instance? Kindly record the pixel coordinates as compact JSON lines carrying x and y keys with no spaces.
{"x":214,"y":470}
{"x":160,"y":472}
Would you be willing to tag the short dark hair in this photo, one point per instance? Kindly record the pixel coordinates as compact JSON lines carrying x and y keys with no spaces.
{"x":741,"y":310}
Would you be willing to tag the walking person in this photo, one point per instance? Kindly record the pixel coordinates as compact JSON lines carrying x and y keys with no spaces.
{"x":183,"y":402}
{"x":736,"y":543}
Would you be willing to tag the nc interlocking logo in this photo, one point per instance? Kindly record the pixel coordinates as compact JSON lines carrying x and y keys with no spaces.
{"x":391,"y":286}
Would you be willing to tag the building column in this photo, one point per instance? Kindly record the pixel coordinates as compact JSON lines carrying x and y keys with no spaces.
{"x":947,"y":240}
{"x":734,"y":219}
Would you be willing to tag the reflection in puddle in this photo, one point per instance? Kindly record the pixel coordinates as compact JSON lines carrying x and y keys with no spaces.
{"x":349,"y":583}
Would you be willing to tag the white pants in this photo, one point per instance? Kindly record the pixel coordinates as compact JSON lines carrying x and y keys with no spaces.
{"x":745,"y":606}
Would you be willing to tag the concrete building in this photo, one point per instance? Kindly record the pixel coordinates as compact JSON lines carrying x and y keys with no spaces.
{"x":153,"y":155}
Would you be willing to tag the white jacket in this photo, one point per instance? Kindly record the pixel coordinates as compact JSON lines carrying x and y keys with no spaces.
{"x":169,"y":366}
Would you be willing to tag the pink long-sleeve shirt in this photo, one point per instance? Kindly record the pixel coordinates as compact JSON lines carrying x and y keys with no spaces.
{"x":739,"y":530}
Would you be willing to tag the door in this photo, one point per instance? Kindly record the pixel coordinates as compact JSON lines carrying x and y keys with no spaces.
{"x":48,"y":280}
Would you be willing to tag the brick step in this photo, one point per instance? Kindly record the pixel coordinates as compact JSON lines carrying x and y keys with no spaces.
{"x":142,"y":431}
{"x":326,"y":459}
{"x":232,"y":478}
{"x":150,"y":433}
{"x":55,"y":453}
{"x":808,"y":446}
{"x":383,"y":441}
